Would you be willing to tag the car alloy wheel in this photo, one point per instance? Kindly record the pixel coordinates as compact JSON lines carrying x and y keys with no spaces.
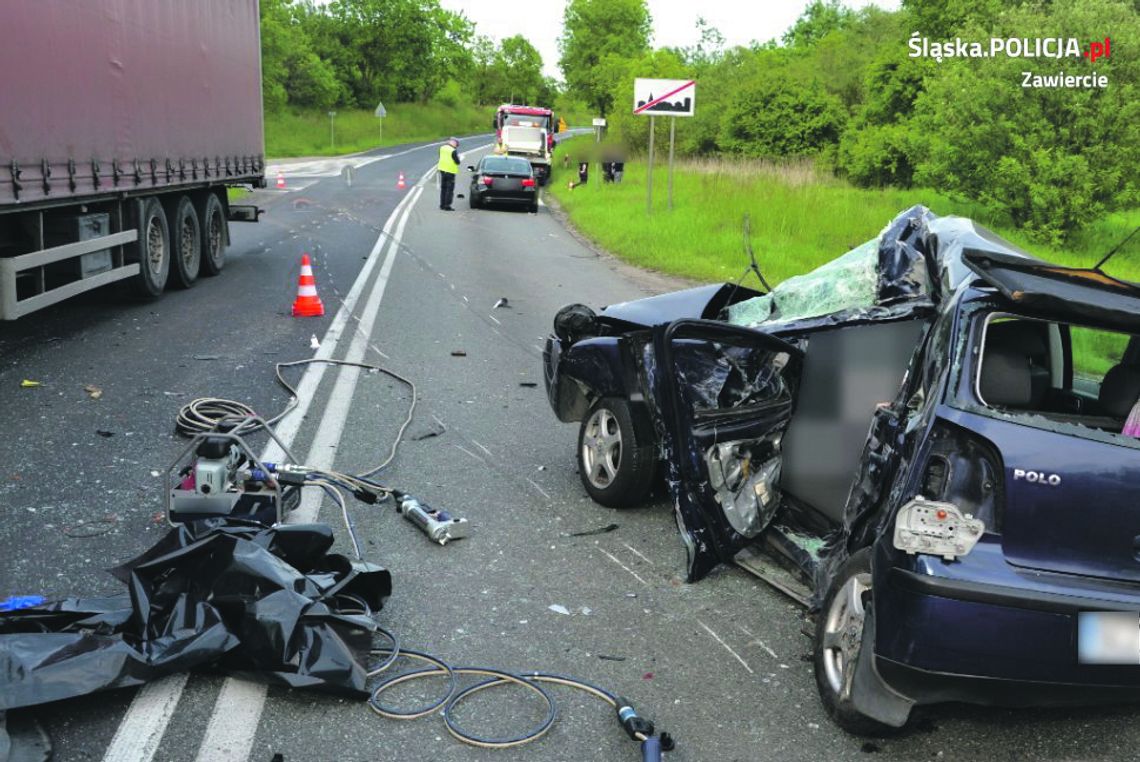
{"x":843,"y":633}
{"x":601,"y":448}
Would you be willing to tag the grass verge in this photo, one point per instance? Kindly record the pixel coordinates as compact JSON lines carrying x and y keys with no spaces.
{"x":291,"y":133}
{"x":800,"y":218}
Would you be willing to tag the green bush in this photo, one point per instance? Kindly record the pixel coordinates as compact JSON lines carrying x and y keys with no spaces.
{"x":775,"y":117}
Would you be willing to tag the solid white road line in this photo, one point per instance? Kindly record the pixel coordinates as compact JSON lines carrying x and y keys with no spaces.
{"x":233,"y":724}
{"x":141,"y":729}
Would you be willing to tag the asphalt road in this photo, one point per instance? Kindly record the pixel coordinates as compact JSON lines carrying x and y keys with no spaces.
{"x":722,"y":664}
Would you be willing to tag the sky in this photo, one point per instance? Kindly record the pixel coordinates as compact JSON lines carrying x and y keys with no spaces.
{"x":674,"y":21}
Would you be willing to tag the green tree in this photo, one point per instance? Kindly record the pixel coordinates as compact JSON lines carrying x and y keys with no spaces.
{"x":593,"y":30}
{"x":522,"y":67}
{"x":291,"y":72}
{"x":819,"y":19}
{"x":771,"y":116}
{"x":1053,"y":159}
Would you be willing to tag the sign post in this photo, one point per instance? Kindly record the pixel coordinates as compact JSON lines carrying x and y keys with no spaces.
{"x":665,"y":97}
{"x":332,"y":130}
{"x":380,"y":113}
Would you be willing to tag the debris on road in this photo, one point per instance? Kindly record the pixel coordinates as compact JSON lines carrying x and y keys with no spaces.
{"x":597,"y":530}
{"x":26,"y":384}
{"x":502,"y":303}
{"x":607,"y":657}
{"x":528,"y":384}
{"x":458,"y":353}
{"x":314,"y":342}
{"x":233,"y":598}
{"x":207,"y":357}
{"x":104,"y":433}
{"x":559,"y":609}
{"x":94,"y":392}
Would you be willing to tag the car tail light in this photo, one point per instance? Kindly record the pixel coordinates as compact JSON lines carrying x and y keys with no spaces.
{"x":528,"y":182}
{"x":487,"y":181}
{"x":936,"y":528}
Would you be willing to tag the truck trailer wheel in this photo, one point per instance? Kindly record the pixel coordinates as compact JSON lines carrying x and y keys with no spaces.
{"x":212,"y":221}
{"x":152,"y":249}
{"x":185,"y":240}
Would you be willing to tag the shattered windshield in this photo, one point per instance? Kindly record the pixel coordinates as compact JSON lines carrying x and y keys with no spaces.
{"x":849,"y":282}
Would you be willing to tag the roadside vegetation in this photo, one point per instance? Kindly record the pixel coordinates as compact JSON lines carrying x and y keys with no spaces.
{"x":842,"y":89}
{"x":291,"y":133}
{"x":801,"y":217}
{"x":433,"y":73}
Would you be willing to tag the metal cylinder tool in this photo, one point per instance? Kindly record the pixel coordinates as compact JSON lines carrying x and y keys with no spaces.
{"x":438,"y":525}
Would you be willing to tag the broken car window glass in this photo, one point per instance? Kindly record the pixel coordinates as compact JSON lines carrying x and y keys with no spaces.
{"x":849,"y":282}
{"x":1023,"y":370}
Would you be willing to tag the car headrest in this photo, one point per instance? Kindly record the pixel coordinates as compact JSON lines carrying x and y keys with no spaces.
{"x":1026,"y":337}
{"x":1006,"y":379}
{"x":1119,"y":390}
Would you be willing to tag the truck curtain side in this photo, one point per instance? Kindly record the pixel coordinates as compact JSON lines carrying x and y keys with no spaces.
{"x":121,"y":124}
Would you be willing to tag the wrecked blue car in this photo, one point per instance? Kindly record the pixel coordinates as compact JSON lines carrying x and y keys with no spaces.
{"x":931,"y":441}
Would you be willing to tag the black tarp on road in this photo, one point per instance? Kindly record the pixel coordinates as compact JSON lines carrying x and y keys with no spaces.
{"x":270,"y":603}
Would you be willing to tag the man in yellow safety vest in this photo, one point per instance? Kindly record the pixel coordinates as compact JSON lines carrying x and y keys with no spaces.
{"x":448,"y":167}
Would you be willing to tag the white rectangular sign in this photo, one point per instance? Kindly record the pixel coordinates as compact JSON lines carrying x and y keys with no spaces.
{"x":599,"y":122}
{"x":664,"y":97}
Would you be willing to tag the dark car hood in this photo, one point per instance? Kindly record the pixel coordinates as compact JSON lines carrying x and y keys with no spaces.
{"x":665,"y":308}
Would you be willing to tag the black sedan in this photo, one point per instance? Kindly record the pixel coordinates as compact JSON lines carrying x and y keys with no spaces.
{"x":505,"y":179}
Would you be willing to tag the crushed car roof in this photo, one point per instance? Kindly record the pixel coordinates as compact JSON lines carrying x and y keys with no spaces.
{"x":918,"y":260}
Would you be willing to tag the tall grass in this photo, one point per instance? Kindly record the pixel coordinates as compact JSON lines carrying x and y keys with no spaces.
{"x":293,"y":134}
{"x":800,"y":217}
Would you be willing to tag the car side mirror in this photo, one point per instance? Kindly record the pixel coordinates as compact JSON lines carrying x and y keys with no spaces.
{"x":470,"y":168}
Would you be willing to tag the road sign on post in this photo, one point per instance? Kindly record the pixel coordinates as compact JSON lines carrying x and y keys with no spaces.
{"x":663,"y":97}
{"x":380,"y":113}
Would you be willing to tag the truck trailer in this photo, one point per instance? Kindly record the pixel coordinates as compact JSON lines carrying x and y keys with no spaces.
{"x":122,"y":123}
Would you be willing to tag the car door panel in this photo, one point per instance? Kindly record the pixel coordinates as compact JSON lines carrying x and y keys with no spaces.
{"x":723,"y":397}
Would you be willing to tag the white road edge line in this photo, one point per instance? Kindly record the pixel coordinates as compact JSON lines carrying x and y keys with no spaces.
{"x":233,"y":725}
{"x":142,"y":727}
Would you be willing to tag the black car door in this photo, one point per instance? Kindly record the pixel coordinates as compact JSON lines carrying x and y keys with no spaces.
{"x":722,"y":396}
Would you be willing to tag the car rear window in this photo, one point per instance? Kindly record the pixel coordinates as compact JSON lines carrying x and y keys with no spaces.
{"x":1065,"y":372}
{"x":505,"y":164}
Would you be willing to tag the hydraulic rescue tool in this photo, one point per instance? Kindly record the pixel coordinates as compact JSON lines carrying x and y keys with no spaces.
{"x":225,"y":479}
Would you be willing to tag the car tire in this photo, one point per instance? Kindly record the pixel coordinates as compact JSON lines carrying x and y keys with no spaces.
{"x":151,"y":250}
{"x":533,"y":208}
{"x":473,"y":200}
{"x":212,"y":223}
{"x":185,"y":241}
{"x":615,"y":466}
{"x":838,"y":639}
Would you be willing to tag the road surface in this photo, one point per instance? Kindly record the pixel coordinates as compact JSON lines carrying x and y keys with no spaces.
{"x":722,"y":664}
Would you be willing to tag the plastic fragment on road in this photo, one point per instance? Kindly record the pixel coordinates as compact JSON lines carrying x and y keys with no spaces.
{"x":27,"y":384}
{"x":16,"y":602}
{"x":262,"y":603}
{"x":559,"y":609}
{"x":458,"y":353}
{"x":94,"y":392}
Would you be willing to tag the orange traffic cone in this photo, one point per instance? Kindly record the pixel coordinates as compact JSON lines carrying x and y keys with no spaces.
{"x":280,"y":180}
{"x":400,"y":184}
{"x":307,"y":303}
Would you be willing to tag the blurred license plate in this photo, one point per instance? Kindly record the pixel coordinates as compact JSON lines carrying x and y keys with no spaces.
{"x":1108,"y":637}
